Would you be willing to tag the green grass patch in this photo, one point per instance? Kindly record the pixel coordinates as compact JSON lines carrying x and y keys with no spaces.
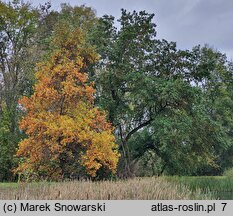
{"x":8,"y":184}
{"x":219,"y":187}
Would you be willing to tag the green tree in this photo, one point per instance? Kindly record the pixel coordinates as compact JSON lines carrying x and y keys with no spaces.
{"x":18,"y":21}
{"x":8,"y":143}
{"x":214,"y":76}
{"x":148,"y":86}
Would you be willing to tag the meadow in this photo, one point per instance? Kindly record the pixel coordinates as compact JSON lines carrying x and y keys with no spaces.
{"x":217,"y":187}
{"x":152,"y":188}
{"x":149,"y":188}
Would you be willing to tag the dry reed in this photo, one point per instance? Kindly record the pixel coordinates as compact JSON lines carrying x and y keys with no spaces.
{"x":132,"y":189}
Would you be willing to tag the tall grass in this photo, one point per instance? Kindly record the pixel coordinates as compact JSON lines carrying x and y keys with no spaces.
{"x":218,"y":187}
{"x":132,"y":189}
{"x":212,"y":183}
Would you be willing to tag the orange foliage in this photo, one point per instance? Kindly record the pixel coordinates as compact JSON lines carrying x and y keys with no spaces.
{"x":64,"y":128}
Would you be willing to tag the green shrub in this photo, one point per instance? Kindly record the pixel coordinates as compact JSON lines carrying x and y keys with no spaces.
{"x":228,"y":172}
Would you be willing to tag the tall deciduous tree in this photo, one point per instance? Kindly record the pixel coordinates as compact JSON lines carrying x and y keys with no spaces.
{"x":215,"y":77}
{"x":66,"y":133}
{"x":18,"y":21}
{"x":148,"y":87}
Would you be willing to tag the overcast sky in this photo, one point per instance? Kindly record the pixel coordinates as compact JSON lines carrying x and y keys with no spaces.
{"x":187,"y":22}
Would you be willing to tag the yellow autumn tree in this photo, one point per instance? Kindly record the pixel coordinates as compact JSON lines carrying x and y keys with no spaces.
{"x":66,"y":134}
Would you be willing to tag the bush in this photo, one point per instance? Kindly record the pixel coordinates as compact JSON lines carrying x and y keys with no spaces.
{"x":228,"y":172}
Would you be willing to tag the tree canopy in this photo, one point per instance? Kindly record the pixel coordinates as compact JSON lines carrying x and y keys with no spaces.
{"x":92,"y":99}
{"x":65,"y":131}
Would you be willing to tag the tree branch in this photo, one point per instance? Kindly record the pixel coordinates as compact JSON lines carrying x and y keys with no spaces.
{"x":137,"y":128}
{"x":143,"y":124}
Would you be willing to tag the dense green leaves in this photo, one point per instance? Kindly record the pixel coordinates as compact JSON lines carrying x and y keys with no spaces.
{"x":18,"y":23}
{"x":148,"y":86}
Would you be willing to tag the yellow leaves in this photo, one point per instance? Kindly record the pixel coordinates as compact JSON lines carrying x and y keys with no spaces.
{"x":79,"y":63}
{"x":62,"y":124}
{"x":55,"y":132}
{"x":101,"y":153}
{"x":72,"y":91}
{"x":89,"y":92}
{"x":81,"y":77}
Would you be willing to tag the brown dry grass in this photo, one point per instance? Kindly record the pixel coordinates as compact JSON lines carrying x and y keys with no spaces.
{"x":132,"y":189}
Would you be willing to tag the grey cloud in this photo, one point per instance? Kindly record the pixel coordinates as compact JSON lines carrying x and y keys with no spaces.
{"x":188,"y":22}
{"x":206,"y":22}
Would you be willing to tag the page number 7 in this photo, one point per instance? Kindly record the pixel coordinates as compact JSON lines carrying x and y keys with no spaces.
{"x":224,"y":205}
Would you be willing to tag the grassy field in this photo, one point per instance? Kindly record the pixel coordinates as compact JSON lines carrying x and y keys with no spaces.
{"x":162,"y":188}
{"x":138,"y":188}
{"x":218,"y":187}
